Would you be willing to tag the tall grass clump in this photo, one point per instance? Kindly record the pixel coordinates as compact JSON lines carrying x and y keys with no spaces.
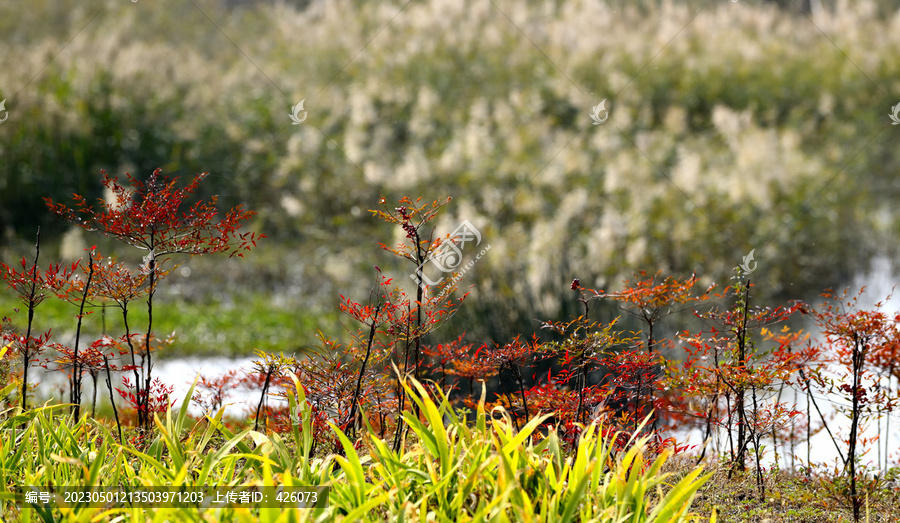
{"x":487,"y":471}
{"x":54,"y":450}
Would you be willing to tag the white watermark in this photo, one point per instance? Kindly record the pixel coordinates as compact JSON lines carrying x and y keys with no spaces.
{"x":894,"y":116}
{"x":748,"y":259}
{"x":597,"y":109}
{"x":5,"y":112}
{"x":448,"y":257}
{"x":295,"y":113}
{"x":458,"y":276}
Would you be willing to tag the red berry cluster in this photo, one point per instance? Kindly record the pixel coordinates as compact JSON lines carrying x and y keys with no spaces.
{"x":407,"y":226}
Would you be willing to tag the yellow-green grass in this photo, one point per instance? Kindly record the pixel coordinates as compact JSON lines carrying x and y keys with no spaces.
{"x":448,"y":470}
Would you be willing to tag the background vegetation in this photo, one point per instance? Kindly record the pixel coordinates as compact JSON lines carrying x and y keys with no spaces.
{"x":733,"y":126}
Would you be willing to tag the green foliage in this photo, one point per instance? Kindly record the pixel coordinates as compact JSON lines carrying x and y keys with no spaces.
{"x":53,"y":450}
{"x":205,"y":326}
{"x":454,"y":471}
{"x":486,"y":471}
